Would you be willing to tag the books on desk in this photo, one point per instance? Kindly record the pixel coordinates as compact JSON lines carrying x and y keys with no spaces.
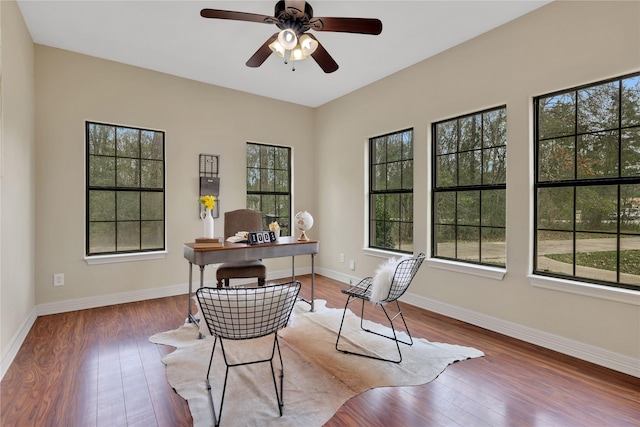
{"x":207,"y":239}
{"x":205,"y":243}
{"x":239,"y":237}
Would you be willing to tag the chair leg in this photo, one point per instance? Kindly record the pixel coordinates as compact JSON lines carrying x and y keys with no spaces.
{"x":216,"y":416}
{"x":406,"y":328}
{"x":344,"y":312}
{"x":280,"y":394}
{"x":216,"y":422}
{"x":390,"y":319}
{"x":393,"y":338}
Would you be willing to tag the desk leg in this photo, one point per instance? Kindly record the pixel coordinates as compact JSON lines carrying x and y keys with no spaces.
{"x":313,"y":275}
{"x":197,"y":321}
{"x":190,"y":317}
{"x":293,"y":279}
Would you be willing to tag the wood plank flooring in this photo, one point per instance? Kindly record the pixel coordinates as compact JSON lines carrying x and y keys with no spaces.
{"x":97,"y":368}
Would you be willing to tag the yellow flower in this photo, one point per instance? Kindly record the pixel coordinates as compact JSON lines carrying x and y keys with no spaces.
{"x":274,"y":226}
{"x":209,"y":202}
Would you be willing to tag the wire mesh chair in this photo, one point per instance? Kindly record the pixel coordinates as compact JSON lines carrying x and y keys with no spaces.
{"x":244,"y":314}
{"x":402,"y":278}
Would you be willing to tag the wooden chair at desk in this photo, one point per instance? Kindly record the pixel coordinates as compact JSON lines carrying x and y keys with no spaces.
{"x":234,"y":221}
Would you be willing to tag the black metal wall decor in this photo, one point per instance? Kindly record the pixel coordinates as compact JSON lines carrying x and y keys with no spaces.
{"x":209,"y":180}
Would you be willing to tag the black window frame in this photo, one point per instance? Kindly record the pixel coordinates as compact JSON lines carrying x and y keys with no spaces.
{"x":255,"y":198}
{"x":147,"y":196}
{"x":459,"y":191}
{"x":577,"y":184}
{"x":404,"y":220}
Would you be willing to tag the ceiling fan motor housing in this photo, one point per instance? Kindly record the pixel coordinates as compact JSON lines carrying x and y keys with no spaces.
{"x":292,"y":18}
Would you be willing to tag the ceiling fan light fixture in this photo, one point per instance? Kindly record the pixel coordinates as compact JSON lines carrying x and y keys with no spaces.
{"x":288,"y":39}
{"x":308,"y":44}
{"x":277,"y":48}
{"x":297,"y":54}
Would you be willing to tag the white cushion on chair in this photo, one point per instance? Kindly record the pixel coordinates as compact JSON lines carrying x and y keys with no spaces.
{"x":381,"y":283}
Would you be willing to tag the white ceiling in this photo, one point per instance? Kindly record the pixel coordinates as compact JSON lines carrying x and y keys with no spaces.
{"x":171,"y":37}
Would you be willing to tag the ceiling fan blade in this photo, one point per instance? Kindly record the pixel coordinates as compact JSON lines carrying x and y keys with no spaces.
{"x":322,"y":57}
{"x":262,"y":53}
{"x":237,"y":16}
{"x":347,"y":25}
{"x":295,"y":7}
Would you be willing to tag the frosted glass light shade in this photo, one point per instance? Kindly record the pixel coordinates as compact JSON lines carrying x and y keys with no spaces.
{"x":288,"y":39}
{"x":308,"y":44}
{"x":277,"y":49}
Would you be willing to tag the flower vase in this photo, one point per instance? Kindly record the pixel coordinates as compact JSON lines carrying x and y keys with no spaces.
{"x":207,"y":219}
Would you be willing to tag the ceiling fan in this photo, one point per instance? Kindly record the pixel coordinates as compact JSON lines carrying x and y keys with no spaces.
{"x":292,"y":42}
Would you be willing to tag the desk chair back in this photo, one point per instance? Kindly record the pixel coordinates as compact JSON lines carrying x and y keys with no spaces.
{"x":241,"y":220}
{"x":234,"y":221}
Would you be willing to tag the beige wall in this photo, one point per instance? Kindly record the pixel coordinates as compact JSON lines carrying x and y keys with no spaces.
{"x":558,"y":46}
{"x":197,"y":118}
{"x":17,"y":178}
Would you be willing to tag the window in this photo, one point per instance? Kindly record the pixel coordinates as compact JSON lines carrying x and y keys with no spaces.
{"x":125,"y":190}
{"x":469,"y":188}
{"x":391,"y":191}
{"x":269,"y":183}
{"x":587,"y":187}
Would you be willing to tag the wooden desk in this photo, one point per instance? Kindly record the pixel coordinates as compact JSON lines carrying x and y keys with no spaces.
{"x":231,"y":252}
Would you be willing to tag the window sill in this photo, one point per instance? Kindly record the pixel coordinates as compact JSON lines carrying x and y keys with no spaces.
{"x":111,"y":259}
{"x":494,"y":273}
{"x":588,"y":289}
{"x":383,"y":253}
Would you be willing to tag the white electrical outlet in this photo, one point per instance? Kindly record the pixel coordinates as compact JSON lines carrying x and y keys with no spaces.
{"x":352,"y":265}
{"x":341,"y":257}
{"x":58,"y":279}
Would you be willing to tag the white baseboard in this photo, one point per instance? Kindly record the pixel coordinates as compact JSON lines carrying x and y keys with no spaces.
{"x":112,"y":299}
{"x":282,"y":275}
{"x":16,"y":342}
{"x":590,"y":353}
{"x":133,"y":296}
{"x":120,"y":298}
{"x":599,"y":356}
{"x":340,"y":277}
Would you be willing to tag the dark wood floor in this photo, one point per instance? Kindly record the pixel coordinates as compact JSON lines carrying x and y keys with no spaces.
{"x":97,"y":368}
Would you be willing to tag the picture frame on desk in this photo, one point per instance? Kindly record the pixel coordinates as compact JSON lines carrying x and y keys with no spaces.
{"x":261,"y":237}
{"x":253,"y":238}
